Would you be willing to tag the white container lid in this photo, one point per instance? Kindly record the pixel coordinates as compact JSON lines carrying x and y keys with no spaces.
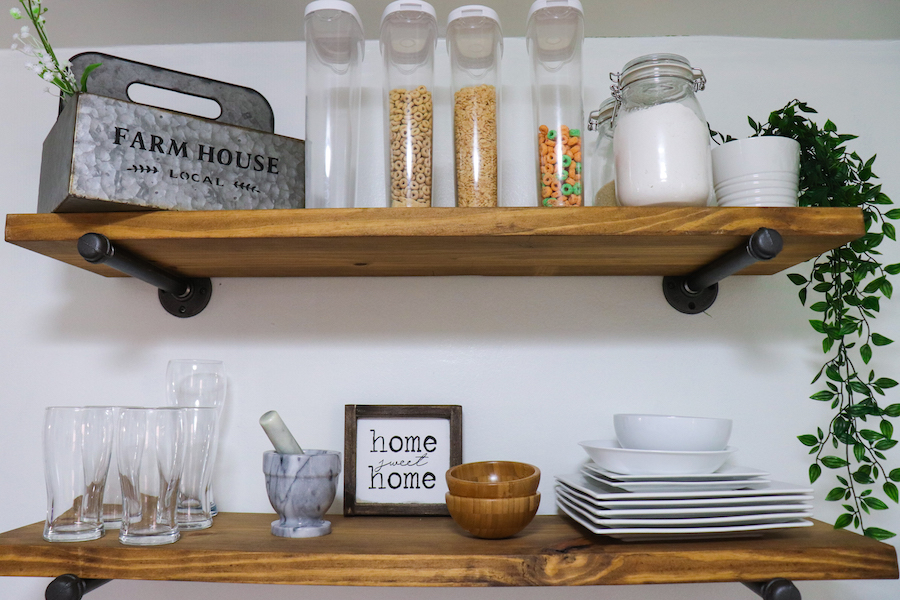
{"x":539,"y":4}
{"x":473,"y":10}
{"x":410,"y":5}
{"x":333,"y":5}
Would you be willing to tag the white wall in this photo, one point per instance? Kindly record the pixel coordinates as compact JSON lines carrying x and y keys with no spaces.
{"x":116,"y":22}
{"x":544,"y":361}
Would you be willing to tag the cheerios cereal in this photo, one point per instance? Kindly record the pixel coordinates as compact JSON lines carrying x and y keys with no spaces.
{"x":475,"y":125}
{"x":410,"y":122}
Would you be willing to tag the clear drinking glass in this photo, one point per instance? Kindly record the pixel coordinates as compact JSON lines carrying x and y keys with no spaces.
{"x":151,"y":449}
{"x":77,"y":445}
{"x":194,"y":510}
{"x":112,"y":493}
{"x":199,"y":382}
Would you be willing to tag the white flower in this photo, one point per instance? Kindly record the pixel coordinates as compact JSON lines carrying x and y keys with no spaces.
{"x":48,"y":76}
{"x":16,"y":13}
{"x":24,"y":30}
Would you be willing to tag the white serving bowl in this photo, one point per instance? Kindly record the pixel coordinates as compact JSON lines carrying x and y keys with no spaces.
{"x":763,"y":185}
{"x":608,"y":455}
{"x":764,"y":154}
{"x":670,"y":432}
{"x":783,"y":176}
{"x":757,"y":201}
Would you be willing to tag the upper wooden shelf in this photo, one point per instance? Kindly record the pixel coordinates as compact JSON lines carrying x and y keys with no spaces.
{"x":433,"y":551}
{"x":439,"y":241}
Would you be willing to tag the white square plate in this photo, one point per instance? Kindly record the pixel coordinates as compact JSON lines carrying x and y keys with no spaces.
{"x":724,"y":473}
{"x":677,"y":486}
{"x":599,"y":491}
{"x":630,"y":534}
{"x":677,"y":520}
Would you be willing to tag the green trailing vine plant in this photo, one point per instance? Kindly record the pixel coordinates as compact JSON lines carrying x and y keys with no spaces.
{"x":849,"y":283}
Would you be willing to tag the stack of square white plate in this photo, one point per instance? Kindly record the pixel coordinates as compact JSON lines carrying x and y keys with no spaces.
{"x":732,"y":501}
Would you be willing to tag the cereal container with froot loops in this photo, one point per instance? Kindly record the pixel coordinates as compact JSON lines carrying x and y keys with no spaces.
{"x":475,"y":45}
{"x":408,"y":41}
{"x":554,"y":37}
{"x":334,"y":52}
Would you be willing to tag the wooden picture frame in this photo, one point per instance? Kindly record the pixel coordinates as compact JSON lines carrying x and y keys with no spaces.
{"x":406,"y":453}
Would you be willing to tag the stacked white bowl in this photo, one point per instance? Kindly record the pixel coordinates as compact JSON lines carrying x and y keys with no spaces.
{"x":759,"y":171}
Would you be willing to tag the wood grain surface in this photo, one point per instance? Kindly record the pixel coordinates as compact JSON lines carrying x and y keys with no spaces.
{"x":434,"y":551}
{"x":440,"y":241}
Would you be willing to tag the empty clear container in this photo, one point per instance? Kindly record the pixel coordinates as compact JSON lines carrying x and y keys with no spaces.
{"x":602,"y":162}
{"x":554,"y":37}
{"x":334,"y":50}
{"x":408,"y":40}
{"x":475,"y":45}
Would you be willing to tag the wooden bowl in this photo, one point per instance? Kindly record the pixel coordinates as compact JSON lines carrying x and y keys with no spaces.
{"x":493,"y":479}
{"x":493,"y":518}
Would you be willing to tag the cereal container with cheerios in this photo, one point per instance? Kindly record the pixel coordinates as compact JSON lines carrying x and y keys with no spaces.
{"x":475,"y":45}
{"x":554,"y":37}
{"x":408,"y":40}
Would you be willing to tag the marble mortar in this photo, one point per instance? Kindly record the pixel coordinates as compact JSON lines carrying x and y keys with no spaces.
{"x":301,"y":488}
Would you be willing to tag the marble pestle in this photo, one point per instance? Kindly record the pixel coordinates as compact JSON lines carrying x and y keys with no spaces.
{"x":279,"y":434}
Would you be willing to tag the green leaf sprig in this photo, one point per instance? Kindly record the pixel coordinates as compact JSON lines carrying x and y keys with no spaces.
{"x":47,"y":66}
{"x":850,"y":282}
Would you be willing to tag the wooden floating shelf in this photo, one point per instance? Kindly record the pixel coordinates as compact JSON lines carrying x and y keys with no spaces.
{"x":439,"y":241}
{"x":434,"y":551}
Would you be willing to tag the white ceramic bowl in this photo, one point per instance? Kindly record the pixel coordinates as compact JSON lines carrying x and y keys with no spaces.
{"x":762,"y":154}
{"x":608,"y":455}
{"x":758,"y":201}
{"x":767,"y":185}
{"x":670,"y":432}
{"x":784,"y":176}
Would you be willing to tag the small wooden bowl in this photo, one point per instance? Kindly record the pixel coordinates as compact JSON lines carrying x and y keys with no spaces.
{"x":493,"y":518}
{"x":493,"y":479}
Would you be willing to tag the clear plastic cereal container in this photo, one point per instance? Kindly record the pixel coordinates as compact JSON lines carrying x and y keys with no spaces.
{"x":554,"y":38}
{"x":334,"y":50}
{"x":408,"y":40}
{"x":475,"y":45}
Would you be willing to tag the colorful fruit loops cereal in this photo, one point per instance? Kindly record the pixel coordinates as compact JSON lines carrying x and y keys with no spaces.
{"x":410,"y":122}
{"x":475,"y":122}
{"x":560,"y":161}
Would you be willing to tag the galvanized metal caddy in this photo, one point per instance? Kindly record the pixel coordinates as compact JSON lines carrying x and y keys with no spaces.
{"x":107,"y":153}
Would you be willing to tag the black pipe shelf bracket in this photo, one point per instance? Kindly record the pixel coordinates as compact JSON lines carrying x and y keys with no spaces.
{"x":774,"y":589}
{"x":180,"y":296}
{"x":694,"y":293}
{"x":72,"y":587}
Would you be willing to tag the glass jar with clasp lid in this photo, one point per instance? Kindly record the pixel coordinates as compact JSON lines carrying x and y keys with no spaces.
{"x":661,"y":139}
{"x":602,"y":163}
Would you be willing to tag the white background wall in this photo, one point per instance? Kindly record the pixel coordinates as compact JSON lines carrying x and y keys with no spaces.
{"x":536,"y":363}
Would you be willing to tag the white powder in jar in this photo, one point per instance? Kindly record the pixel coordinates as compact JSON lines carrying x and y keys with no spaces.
{"x":662,"y":157}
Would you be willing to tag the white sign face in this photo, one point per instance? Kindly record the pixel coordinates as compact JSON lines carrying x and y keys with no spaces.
{"x":402,"y":461}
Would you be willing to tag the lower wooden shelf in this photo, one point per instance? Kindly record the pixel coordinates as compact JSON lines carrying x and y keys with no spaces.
{"x":433,"y":551}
